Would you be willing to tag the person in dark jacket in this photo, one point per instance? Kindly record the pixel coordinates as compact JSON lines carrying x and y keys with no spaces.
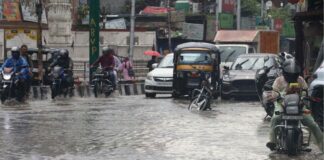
{"x":151,"y":62}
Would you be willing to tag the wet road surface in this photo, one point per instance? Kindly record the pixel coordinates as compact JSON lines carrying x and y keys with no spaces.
{"x":134,"y":127}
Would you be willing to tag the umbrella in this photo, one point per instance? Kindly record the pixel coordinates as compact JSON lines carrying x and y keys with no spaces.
{"x":152,"y":53}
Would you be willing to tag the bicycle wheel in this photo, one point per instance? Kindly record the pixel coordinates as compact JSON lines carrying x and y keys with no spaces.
{"x":194,"y":104}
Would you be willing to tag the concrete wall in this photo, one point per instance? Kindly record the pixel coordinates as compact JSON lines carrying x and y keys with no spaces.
{"x":116,"y":40}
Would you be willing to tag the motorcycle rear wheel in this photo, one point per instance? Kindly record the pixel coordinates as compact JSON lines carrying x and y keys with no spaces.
{"x":292,"y":142}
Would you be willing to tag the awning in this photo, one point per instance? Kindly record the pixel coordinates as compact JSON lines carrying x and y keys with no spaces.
{"x":155,"y":10}
{"x":236,"y":36}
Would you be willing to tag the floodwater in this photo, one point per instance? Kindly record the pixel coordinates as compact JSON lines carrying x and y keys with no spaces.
{"x":135,"y":127}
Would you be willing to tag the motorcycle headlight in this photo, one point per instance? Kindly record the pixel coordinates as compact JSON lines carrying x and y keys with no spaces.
{"x":6,"y":76}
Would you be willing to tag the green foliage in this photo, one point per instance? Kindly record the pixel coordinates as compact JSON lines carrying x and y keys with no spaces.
{"x":281,"y":13}
{"x":83,"y":11}
{"x":250,"y":8}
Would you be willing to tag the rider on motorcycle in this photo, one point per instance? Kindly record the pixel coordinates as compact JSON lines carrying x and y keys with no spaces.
{"x":20,"y":67}
{"x":291,"y":73}
{"x":107,"y":63}
{"x":64,"y":61}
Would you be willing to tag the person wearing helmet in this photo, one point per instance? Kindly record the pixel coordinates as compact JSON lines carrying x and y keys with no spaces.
{"x":291,"y":74}
{"x":63,"y":60}
{"x":107,"y":62}
{"x":20,"y":67}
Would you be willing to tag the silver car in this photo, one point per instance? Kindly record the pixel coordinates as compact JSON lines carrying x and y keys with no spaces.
{"x":159,"y":80}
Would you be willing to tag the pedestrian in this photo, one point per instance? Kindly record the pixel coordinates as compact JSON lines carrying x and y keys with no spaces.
{"x":24,"y":54}
{"x":127,"y":70}
{"x":117,"y":67}
{"x":150,"y":63}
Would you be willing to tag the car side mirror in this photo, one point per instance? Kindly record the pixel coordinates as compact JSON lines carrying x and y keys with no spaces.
{"x":226,"y":67}
{"x":155,"y":65}
{"x":315,"y":76}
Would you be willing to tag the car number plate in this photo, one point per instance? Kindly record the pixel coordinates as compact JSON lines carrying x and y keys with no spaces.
{"x":292,"y":117}
{"x":164,"y":83}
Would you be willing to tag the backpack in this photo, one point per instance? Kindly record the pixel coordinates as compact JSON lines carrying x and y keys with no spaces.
{"x":130,"y":70}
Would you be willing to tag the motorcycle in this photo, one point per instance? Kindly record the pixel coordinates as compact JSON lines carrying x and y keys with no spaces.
{"x":316,"y":104}
{"x":102,"y":83}
{"x":60,"y":84}
{"x":10,"y":87}
{"x":264,"y":79}
{"x":201,"y":98}
{"x":289,"y":133}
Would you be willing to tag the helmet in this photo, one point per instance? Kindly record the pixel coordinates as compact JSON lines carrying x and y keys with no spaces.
{"x":64,"y":53}
{"x":15,"y":52}
{"x":290,"y":71}
{"x":106,"y":50}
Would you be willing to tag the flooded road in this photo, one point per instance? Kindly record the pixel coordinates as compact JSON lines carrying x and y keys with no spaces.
{"x":134,"y":127}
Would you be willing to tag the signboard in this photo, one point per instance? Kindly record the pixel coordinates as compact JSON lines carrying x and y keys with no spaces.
{"x":116,"y":24}
{"x":193,"y":31}
{"x":278,"y":23}
{"x":1,"y":9}
{"x":226,"y":21}
{"x":11,"y":10}
{"x":94,"y":30}
{"x":29,"y":13}
{"x":17,"y":37}
{"x":228,"y":6}
{"x":178,"y":16}
{"x":288,"y":29}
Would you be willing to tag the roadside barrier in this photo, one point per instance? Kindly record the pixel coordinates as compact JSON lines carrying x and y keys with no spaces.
{"x":125,"y":88}
{"x":131,"y":87}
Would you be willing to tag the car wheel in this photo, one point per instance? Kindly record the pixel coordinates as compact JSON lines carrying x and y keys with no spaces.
{"x":175,"y":95}
{"x":150,"y":95}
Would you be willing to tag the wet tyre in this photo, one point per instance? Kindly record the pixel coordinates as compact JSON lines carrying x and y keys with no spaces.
{"x":96,"y":90}
{"x":292,"y":142}
{"x":150,"y":95}
{"x":54,"y":90}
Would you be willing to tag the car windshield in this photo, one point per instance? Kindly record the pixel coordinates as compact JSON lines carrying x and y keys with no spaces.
{"x":167,"y":61}
{"x":194,"y":58}
{"x":230,"y":53}
{"x":252,"y":63}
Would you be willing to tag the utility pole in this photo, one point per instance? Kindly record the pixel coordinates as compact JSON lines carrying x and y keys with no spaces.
{"x":39,"y":12}
{"x":131,"y":33}
{"x":169,"y":26}
{"x":238,"y":15}
{"x":218,"y":9}
{"x":262,"y":8}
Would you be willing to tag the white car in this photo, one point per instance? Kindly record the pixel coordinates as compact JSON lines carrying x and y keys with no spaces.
{"x":159,"y":80}
{"x":318,"y":79}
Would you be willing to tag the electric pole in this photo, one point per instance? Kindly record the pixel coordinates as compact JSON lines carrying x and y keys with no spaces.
{"x":169,"y":26}
{"x":132,"y":32}
{"x":39,"y":12}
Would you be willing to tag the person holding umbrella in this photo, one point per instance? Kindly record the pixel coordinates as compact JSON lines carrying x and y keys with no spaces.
{"x":154,"y":54}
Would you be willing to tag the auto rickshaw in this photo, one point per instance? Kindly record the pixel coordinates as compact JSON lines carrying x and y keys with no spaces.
{"x":194,"y":61}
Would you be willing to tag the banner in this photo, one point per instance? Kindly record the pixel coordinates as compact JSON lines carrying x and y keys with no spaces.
{"x":11,"y":10}
{"x":29,"y":13}
{"x":193,"y":31}
{"x":228,"y":6}
{"x":17,"y":37}
{"x":94,"y":30}
{"x":226,"y":21}
{"x":1,"y":9}
{"x":116,"y":24}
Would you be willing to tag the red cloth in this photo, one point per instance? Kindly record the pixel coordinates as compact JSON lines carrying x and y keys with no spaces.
{"x":106,"y":62}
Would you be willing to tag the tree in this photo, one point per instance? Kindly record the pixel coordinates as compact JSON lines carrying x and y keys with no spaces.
{"x":250,"y":8}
